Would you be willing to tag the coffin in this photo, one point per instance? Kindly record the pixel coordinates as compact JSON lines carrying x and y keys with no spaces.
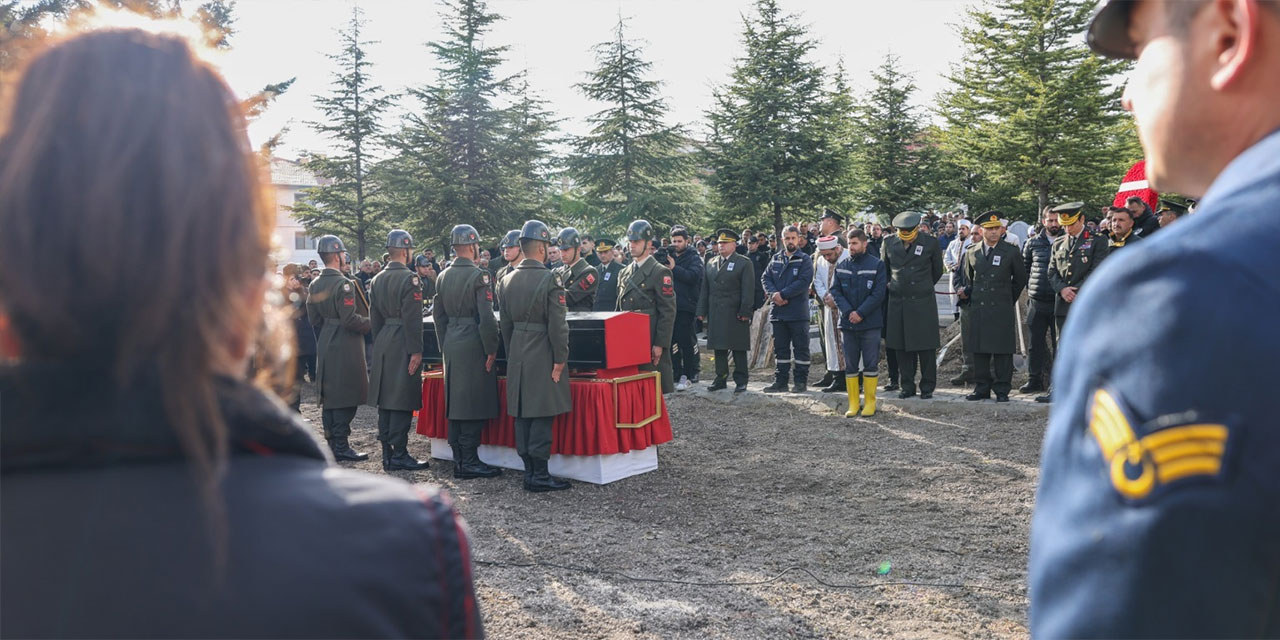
{"x":597,"y":340}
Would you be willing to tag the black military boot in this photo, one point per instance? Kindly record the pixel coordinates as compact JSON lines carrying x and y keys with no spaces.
{"x":718,"y":384}
{"x":386,"y":457}
{"x":401,"y":460}
{"x":975,"y":396}
{"x":528,"y":469}
{"x":799,"y":387}
{"x":826,"y":380}
{"x":837,"y":384}
{"x":542,"y":481}
{"x":1033,"y":385}
{"x":467,"y":465}
{"x":342,"y":451}
{"x":779,"y":385}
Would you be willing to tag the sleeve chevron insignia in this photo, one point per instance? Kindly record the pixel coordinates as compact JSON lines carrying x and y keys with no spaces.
{"x":1139,"y":466}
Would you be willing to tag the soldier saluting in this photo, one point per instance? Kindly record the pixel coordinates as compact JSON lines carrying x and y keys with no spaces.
{"x":536,"y":333}
{"x":579,"y":277}
{"x":468,"y":337}
{"x":395,"y":378}
{"x":646,"y":286}
{"x":340,"y":327}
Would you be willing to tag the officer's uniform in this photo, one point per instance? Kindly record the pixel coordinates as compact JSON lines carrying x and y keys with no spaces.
{"x":607,"y":289}
{"x":994,"y":278}
{"x":791,"y":276}
{"x":861,"y":285}
{"x":467,"y":334}
{"x":914,"y":264}
{"x":647,"y":287}
{"x":512,"y":239}
{"x":536,"y":333}
{"x":580,"y":279}
{"x":395,"y":297}
{"x":728,"y":291}
{"x":343,"y":383}
{"x":1114,"y":242}
{"x":1158,"y":508}
{"x":1074,"y":259}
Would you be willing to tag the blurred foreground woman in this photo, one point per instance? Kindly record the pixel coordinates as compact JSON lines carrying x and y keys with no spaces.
{"x":148,"y":489}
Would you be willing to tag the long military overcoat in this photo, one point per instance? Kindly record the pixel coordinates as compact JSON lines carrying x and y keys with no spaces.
{"x":914,"y":269}
{"x":467,"y":333}
{"x":728,"y":292}
{"x":334,"y":309}
{"x":395,"y":314}
{"x":536,"y":333}
{"x":993,"y":283}
{"x":580,"y":283}
{"x":648,"y":288}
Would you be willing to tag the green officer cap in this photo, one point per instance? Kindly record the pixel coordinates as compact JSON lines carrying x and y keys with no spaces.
{"x":726,"y":235}
{"x":1069,"y":208}
{"x":1108,"y":32}
{"x":605,"y":244}
{"x":906,"y":220}
{"x":989,"y":220}
{"x":1168,"y":205}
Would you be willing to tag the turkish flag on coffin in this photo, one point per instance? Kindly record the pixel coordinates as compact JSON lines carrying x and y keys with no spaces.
{"x":1135,"y":184}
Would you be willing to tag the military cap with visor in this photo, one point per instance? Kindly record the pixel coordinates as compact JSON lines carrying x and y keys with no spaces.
{"x":727,"y":235}
{"x":828,"y":212}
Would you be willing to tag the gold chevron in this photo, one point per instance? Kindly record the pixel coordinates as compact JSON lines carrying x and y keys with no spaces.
{"x":1164,"y":456}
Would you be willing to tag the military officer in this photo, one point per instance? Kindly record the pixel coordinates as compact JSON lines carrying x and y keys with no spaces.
{"x":395,"y":378}
{"x":914,"y":264}
{"x":468,"y":337}
{"x":510,"y":246}
{"x":340,"y":365}
{"x":1158,"y":508}
{"x":536,"y":333}
{"x":579,"y":277}
{"x":724,"y":306}
{"x":994,"y":277}
{"x":1075,"y":255}
{"x":647,"y":287}
{"x":607,"y":292}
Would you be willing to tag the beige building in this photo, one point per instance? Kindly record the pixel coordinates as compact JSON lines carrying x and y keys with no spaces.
{"x":288,"y":179}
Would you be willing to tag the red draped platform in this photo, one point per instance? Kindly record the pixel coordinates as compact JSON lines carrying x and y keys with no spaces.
{"x":617,"y":414}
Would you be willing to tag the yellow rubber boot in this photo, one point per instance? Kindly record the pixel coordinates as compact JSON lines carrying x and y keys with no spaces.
{"x":869,"y":386}
{"x":853,"y":384}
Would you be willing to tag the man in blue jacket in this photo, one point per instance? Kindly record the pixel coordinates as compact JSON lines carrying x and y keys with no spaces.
{"x":786,"y":284}
{"x":686,"y":268}
{"x":860,"y":288}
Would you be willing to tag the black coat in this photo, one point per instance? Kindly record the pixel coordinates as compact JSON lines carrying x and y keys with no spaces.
{"x":688,"y":277}
{"x":115,"y":540}
{"x":1037,"y":252}
{"x":759,"y":262}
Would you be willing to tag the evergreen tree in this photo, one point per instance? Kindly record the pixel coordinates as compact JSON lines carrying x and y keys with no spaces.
{"x":346,"y":202}
{"x":892,"y":155}
{"x":527,"y":156}
{"x":770,"y":150}
{"x":631,"y":165}
{"x":1032,"y":110}
{"x":843,"y":111}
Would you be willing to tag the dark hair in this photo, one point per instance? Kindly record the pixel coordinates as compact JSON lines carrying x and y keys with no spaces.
{"x":527,"y":243}
{"x":1133,"y":199}
{"x":680,"y":231}
{"x":121,"y":147}
{"x":1115,"y":210}
{"x":791,"y":229}
{"x":856,"y":233}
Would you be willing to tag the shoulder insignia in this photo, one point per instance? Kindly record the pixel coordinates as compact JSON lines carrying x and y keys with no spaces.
{"x":559,"y":281}
{"x":485,"y":278}
{"x":591,"y":278}
{"x":1138,"y":466}
{"x":666,"y":279}
{"x":346,"y":287}
{"x":416,"y":282}
{"x":562,"y":299}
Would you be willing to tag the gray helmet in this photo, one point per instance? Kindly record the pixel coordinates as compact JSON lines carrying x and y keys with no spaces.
{"x":330,"y":244}
{"x":422,"y":261}
{"x":640,"y":230}
{"x":535,"y":230}
{"x":512,"y":239}
{"x":568,"y":238}
{"x":464,"y":234}
{"x":399,"y":239}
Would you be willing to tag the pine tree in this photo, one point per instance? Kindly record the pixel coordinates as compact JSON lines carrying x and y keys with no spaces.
{"x":346,"y":202}
{"x":1033,"y":113}
{"x":843,"y":110}
{"x":632,"y":163}
{"x":770,"y":150}
{"x":527,"y":155}
{"x":892,"y":155}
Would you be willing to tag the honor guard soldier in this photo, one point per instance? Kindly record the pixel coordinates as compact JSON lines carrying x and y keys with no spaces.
{"x":859,"y":290}
{"x":395,"y":379}
{"x":1076,"y":254}
{"x":724,"y":306}
{"x":579,"y":277}
{"x":607,"y":292}
{"x":536,"y":332}
{"x":994,"y":277}
{"x":510,"y":246}
{"x":1158,"y":508}
{"x":647,"y":287}
{"x":468,"y":337}
{"x":913,"y":262}
{"x":333,"y":309}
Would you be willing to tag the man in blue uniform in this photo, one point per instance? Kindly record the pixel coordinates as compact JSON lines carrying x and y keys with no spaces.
{"x":786,"y":284}
{"x":1158,"y":512}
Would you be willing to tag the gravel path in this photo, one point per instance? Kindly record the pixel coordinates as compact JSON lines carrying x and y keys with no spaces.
{"x":752,"y":486}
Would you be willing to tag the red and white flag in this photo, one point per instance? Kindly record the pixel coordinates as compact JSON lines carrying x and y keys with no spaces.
{"x":1135,"y":184}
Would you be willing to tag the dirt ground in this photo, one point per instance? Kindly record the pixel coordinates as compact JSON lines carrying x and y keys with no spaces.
{"x":753,"y":487}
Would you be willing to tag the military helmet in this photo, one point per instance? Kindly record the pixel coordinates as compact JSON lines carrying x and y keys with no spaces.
{"x":422,"y":261}
{"x":640,"y":230}
{"x":512,"y":239}
{"x":399,"y":239}
{"x":535,"y":230}
{"x":464,"y":234}
{"x":330,"y":244}
{"x":568,"y":238}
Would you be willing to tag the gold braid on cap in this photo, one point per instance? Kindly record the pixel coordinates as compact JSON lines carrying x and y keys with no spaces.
{"x":1068,"y":219}
{"x":909,"y":237}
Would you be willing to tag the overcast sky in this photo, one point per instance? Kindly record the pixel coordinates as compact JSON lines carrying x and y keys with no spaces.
{"x":692,"y":44}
